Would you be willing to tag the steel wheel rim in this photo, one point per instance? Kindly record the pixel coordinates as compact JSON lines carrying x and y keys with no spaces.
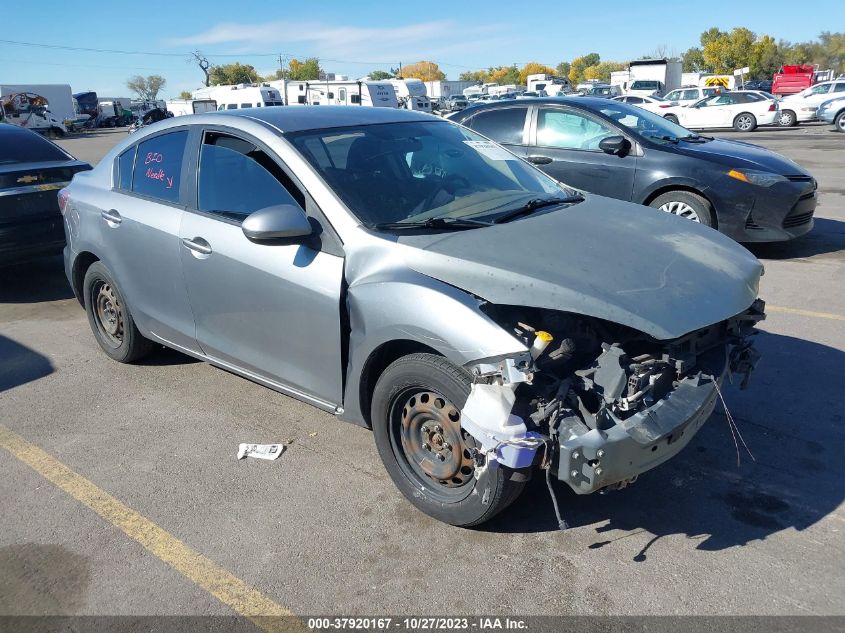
{"x":681,"y":209}
{"x":108,"y":313}
{"x":744,"y":122}
{"x":431,"y":448}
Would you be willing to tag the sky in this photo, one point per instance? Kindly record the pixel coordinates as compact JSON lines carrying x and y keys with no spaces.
{"x":354,"y":37}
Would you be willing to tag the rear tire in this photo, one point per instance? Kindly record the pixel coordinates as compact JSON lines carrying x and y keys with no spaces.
{"x":745,"y":122}
{"x":685,"y":204}
{"x":413,"y":398}
{"x":839,"y":122}
{"x":787,"y":118}
{"x":110,"y":319}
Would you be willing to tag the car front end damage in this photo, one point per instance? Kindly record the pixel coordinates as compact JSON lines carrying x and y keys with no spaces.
{"x":597,"y":403}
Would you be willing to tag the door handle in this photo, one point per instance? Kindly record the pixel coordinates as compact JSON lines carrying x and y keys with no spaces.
{"x":539,"y":160}
{"x":198,"y":245}
{"x":112,"y":217}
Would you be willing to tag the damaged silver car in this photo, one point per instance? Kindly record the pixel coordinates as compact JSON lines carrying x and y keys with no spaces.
{"x":409,"y":275}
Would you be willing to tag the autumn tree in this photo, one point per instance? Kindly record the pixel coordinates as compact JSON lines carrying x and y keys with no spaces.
{"x":423,"y":70}
{"x":505,"y":75}
{"x":534,"y":68}
{"x":602,"y":70}
{"x":474,"y":75}
{"x":146,"y":88}
{"x":307,"y":70}
{"x":724,"y":52}
{"x":234,"y":73}
{"x":765,"y":57}
{"x":380,"y":75}
{"x":580,"y":64}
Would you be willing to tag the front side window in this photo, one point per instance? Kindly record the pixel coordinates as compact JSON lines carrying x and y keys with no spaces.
{"x":820,"y":89}
{"x":634,"y":100}
{"x":158,"y":166}
{"x":565,"y":129}
{"x":690,"y":95}
{"x":645,"y":123}
{"x":232,"y":106}
{"x":399,"y":172}
{"x":503,"y":125}
{"x":237,"y":178}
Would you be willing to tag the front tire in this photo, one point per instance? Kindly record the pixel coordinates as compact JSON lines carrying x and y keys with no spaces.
{"x":685,"y":204}
{"x":416,"y":411}
{"x":787,"y":118}
{"x":110,"y":319}
{"x":745,"y":122}
{"x":671,"y":117}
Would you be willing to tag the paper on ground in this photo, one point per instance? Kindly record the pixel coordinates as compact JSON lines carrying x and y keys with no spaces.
{"x":261,"y":451}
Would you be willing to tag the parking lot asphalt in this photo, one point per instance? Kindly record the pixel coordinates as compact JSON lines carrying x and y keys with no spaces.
{"x":322,"y":530}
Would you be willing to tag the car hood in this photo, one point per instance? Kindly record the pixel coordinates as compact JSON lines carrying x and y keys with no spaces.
{"x":613,"y":260}
{"x":739,"y":154}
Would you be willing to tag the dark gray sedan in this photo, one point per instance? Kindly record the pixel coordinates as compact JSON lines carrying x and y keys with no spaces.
{"x":606,"y":147}
{"x":408,"y":275}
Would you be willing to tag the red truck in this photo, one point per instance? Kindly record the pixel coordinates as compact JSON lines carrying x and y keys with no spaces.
{"x":790,"y":80}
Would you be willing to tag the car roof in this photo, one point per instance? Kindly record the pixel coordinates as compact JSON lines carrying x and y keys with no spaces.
{"x":303,"y":118}
{"x":588,"y":103}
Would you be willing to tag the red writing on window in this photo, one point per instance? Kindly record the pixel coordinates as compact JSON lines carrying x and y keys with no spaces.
{"x":153,"y":157}
{"x":160,"y":176}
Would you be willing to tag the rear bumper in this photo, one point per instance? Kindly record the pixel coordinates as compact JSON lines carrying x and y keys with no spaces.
{"x":31,"y":240}
{"x":606,"y":458}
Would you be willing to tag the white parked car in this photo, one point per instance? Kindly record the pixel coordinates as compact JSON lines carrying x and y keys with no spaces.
{"x":658,"y":105}
{"x":802,"y":106}
{"x":691,"y":94}
{"x":646,"y":88}
{"x":742,"y":110}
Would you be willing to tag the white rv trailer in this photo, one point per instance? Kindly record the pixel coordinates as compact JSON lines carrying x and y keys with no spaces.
{"x":411,"y":94}
{"x":357,"y":93}
{"x":550,"y":85}
{"x":182,"y":107}
{"x":443,"y":89}
{"x":240,"y":96}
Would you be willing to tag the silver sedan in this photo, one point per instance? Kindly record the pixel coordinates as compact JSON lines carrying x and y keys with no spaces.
{"x":409,"y":275}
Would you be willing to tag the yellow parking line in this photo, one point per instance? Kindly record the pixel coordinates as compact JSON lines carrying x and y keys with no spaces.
{"x":808,"y":313}
{"x":229,"y":589}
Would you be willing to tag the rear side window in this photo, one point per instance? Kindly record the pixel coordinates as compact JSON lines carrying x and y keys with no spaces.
{"x":125,"y":165}
{"x":237,"y":178}
{"x":503,"y":125}
{"x":159,"y":166}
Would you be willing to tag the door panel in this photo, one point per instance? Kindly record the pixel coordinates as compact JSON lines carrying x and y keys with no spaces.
{"x":142,"y":241}
{"x":565,"y":146}
{"x":272,"y":308}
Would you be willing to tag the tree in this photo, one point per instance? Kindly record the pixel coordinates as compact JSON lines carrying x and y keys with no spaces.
{"x":380,"y":75}
{"x":580,"y":64}
{"x":601,"y":71}
{"x":473,"y":75}
{"x":693,"y":61}
{"x":534,"y":68}
{"x":725,"y":52}
{"x":201,"y":61}
{"x":146,"y":88}
{"x":505,"y":75}
{"x":234,"y":73}
{"x":186,"y":94}
{"x":765,"y":58}
{"x":307,"y":70}
{"x":423,"y":70}
{"x":563,"y":69}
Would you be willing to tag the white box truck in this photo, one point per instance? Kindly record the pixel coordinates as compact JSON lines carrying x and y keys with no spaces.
{"x":654,"y":77}
{"x":31,"y":110}
{"x":59,"y":98}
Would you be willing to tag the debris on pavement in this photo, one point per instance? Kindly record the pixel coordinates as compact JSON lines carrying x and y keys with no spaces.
{"x":261,"y":451}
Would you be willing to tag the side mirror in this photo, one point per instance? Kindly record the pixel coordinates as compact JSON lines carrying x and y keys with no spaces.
{"x":617,"y":145}
{"x":282,"y":221}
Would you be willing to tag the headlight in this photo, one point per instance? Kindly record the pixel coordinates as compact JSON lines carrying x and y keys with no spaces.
{"x":759,"y":178}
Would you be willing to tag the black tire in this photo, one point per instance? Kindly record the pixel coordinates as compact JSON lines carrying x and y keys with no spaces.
{"x":745,"y":122}
{"x":839,"y":122}
{"x":787,"y":118}
{"x":671,"y":117}
{"x":117,"y":336}
{"x":417,"y":376}
{"x":699,"y":204}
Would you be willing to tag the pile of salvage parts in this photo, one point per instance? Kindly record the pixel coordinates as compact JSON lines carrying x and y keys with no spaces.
{"x":602,"y":403}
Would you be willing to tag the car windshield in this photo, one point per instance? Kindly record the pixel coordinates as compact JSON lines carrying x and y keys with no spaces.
{"x":22,"y":146}
{"x":417,"y":171}
{"x":647,"y":124}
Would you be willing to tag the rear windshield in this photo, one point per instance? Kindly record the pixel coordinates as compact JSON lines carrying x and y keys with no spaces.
{"x":645,"y":85}
{"x":22,"y":146}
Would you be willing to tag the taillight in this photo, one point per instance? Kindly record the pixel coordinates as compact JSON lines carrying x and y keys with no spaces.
{"x":64,"y":196}
{"x":773,"y":107}
{"x":665,"y":105}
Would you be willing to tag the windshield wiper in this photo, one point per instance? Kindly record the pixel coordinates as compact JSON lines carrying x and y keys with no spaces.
{"x":666,"y":137}
{"x":534,"y":204}
{"x":433,"y":223}
{"x":695,"y":138}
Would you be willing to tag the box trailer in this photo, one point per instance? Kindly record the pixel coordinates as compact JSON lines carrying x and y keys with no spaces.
{"x":380,"y":94}
{"x":59,"y":97}
{"x":183,"y":107}
{"x":643,"y":72}
{"x":233,"y":97}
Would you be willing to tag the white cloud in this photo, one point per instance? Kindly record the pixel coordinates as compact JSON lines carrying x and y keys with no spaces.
{"x":345,"y":44}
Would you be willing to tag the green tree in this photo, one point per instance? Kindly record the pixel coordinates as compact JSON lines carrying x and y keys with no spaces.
{"x":562,"y":69}
{"x":473,"y":75}
{"x":146,"y":88}
{"x":380,"y":75}
{"x":504,"y":75}
{"x":234,"y":73}
{"x":724,"y":52}
{"x":693,"y":61}
{"x":307,"y":70}
{"x":580,"y":64}
{"x":186,"y":94}
{"x":765,"y":58}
